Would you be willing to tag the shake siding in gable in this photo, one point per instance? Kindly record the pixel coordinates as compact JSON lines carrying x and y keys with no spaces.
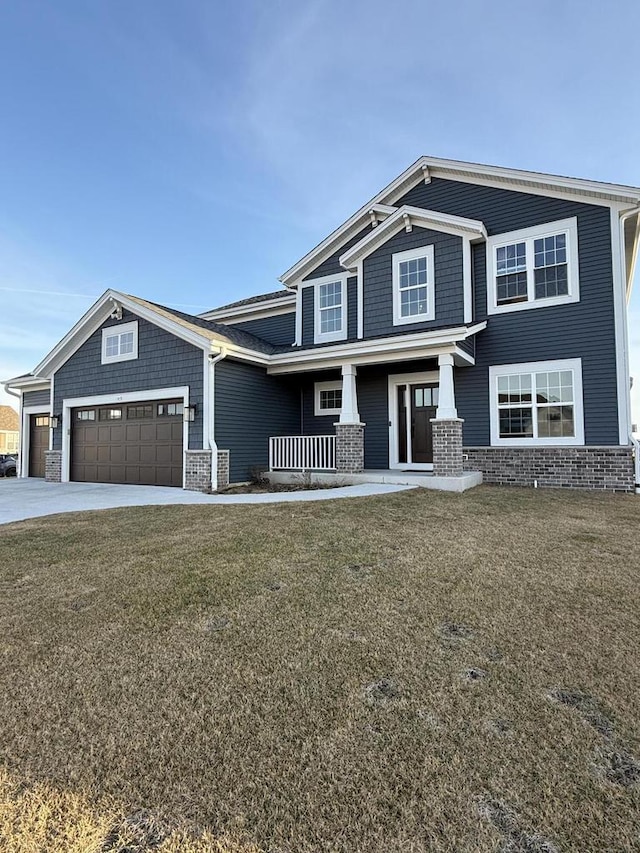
{"x":250,"y":407}
{"x":164,"y":361}
{"x":279,"y":330}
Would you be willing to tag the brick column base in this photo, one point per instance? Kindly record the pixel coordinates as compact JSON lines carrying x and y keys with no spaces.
{"x":53,"y":466}
{"x":223,"y":469}
{"x":447,"y":447}
{"x":197,"y":472}
{"x":349,"y":448}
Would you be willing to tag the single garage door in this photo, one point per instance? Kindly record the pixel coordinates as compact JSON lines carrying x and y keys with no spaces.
{"x":137,"y":443}
{"x":38,"y":443}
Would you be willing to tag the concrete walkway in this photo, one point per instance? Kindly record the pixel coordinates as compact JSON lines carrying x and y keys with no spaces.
{"x":31,"y":498}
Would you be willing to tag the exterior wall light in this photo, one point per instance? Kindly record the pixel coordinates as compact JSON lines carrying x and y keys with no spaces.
{"x":190,"y":413}
{"x":55,"y":421}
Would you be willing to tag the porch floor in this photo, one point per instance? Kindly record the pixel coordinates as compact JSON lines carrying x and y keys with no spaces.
{"x":425,"y":479}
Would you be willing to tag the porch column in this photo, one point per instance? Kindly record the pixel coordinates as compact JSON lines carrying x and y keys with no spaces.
{"x":349,"y":429}
{"x":447,"y":426}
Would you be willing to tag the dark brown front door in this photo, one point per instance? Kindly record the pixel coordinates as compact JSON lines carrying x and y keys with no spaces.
{"x":424,"y":400}
{"x":38,"y":443}
{"x":136,"y":443}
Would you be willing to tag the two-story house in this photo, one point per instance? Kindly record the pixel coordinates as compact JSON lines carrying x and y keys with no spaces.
{"x":468,"y":322}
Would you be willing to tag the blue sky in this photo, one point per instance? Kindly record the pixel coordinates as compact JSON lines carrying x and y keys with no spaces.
{"x":189,"y":152}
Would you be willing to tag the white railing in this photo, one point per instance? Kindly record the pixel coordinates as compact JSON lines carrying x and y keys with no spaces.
{"x":302,"y":453}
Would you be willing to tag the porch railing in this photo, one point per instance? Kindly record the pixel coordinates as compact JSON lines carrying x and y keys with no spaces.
{"x":302,"y":453}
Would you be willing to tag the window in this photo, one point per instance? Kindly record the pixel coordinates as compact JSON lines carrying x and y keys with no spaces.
{"x":413,"y":286}
{"x":137,"y":412}
{"x":330,"y":309}
{"x":537,"y":403}
{"x":110,"y":414}
{"x":85,"y":415}
{"x":533,"y":267}
{"x":328,"y":398}
{"x":120,"y":343}
{"x":170,"y":409}
{"x":42,"y":420}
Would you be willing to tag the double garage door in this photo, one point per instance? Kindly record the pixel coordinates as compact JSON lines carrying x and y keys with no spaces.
{"x":136,"y":443}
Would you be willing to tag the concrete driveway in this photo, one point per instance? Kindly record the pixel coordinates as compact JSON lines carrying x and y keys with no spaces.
{"x":30,"y":498}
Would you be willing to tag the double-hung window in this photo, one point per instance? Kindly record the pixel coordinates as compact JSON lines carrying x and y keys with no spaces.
{"x":537,"y":403}
{"x":413,"y":290}
{"x":331,"y":309}
{"x":120,"y":343}
{"x":533,"y":267}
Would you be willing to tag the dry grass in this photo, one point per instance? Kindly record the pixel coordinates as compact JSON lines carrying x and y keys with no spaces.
{"x":416,"y":672}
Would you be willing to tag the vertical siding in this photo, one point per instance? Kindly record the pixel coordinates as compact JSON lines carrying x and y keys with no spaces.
{"x":37,"y":398}
{"x":378,"y":287}
{"x":164,"y":361}
{"x":251,"y":406}
{"x":279,"y":330}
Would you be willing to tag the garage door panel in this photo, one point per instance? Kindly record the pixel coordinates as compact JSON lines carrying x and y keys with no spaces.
{"x":138,"y":450}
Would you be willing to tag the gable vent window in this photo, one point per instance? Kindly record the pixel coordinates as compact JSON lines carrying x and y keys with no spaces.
{"x":331,"y":309}
{"x":413,"y":286}
{"x":533,"y":267}
{"x":120,"y":343}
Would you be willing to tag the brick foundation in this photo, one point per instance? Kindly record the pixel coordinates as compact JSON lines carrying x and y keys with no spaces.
{"x":566,"y":467}
{"x":197,"y":474}
{"x":53,"y":466}
{"x":223,"y":469}
{"x":349,"y":448}
{"x":447,"y":447}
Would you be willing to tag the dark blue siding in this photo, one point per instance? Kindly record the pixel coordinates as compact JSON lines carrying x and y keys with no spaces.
{"x":37,"y":398}
{"x":378,"y":289}
{"x":251,"y":406}
{"x":279,"y":330}
{"x":164,"y":361}
{"x":332,"y":264}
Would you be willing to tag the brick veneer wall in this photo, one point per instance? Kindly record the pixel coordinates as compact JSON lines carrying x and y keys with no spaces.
{"x":349,"y":448}
{"x":53,"y":466}
{"x":197,"y":474}
{"x":447,"y":447}
{"x":223,"y":469}
{"x":569,"y":467}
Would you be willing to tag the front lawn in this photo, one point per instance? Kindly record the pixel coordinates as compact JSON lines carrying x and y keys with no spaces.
{"x":415,"y":672}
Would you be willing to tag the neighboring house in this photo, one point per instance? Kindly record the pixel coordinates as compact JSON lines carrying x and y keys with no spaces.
{"x":466,"y":319}
{"x":9,"y":430}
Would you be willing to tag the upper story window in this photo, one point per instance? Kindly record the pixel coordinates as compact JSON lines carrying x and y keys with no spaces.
{"x":413,"y":286}
{"x":120,"y":343}
{"x":330,"y":309}
{"x":538,"y":403}
{"x":533,"y":267}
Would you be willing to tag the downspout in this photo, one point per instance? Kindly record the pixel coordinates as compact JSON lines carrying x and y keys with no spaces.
{"x":634,"y":442}
{"x":211,"y":438}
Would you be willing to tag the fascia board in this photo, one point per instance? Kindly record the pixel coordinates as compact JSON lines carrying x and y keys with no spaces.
{"x":442,"y":222}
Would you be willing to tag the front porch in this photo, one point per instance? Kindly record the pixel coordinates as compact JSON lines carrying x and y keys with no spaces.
{"x":391,"y":424}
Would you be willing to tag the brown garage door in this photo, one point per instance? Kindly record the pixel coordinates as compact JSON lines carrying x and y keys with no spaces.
{"x":38,"y":443}
{"x":138,"y":443}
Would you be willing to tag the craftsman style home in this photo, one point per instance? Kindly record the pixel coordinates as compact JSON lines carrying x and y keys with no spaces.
{"x":467,"y":323}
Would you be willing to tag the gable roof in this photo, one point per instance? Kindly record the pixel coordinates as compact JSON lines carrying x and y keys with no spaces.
{"x":9,"y":419}
{"x":406,"y":217}
{"x":427,"y":168}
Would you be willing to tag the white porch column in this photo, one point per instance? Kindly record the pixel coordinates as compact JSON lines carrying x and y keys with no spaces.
{"x":349,"y":412}
{"x":446,"y":395}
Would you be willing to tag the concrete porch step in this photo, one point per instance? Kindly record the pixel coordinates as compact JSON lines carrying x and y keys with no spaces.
{"x":424,"y":479}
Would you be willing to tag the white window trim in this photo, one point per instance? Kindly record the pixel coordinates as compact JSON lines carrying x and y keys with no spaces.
{"x":325,"y":386}
{"x":528,"y":235}
{"x":122,"y":329}
{"x":573,"y":364}
{"x":410,"y":255}
{"x":341,"y":335}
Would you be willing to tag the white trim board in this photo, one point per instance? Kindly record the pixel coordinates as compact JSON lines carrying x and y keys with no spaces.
{"x":111,"y":399}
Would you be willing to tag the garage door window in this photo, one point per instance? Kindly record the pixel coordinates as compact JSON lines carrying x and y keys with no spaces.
{"x":110,"y":414}
{"x":136,"y":412}
{"x":42,"y":420}
{"x":85,"y":415}
{"x":170,"y":410}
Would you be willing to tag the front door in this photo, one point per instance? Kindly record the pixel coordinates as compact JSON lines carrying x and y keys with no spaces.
{"x":38,"y":444}
{"x":415,"y":406}
{"x":424,"y":399}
